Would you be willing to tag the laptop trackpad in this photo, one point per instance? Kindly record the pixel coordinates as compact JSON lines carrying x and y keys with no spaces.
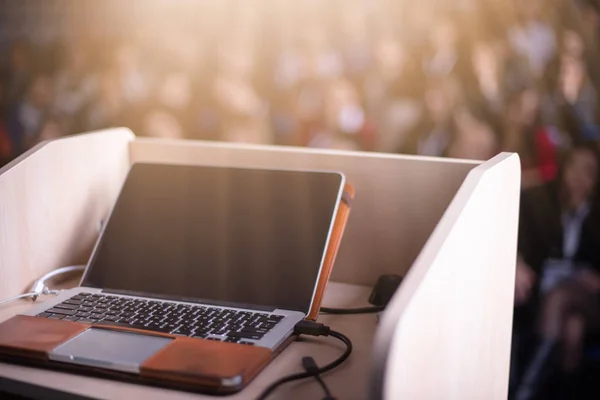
{"x":102,"y":348}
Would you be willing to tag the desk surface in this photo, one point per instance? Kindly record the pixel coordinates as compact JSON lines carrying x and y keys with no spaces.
{"x":349,"y":381}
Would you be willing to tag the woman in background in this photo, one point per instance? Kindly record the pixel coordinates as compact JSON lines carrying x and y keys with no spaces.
{"x":6,"y":145}
{"x":558,"y":272}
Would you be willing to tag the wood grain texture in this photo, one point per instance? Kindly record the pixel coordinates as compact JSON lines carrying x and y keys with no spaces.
{"x":34,"y":337}
{"x":399,"y":199}
{"x":52,"y":200}
{"x":447,"y":330}
{"x":206,"y":362}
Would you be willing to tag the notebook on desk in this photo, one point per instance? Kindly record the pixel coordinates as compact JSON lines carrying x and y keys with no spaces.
{"x":197,"y":279}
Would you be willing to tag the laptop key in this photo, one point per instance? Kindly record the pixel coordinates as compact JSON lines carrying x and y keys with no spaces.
{"x":245,"y":335}
{"x":73,"y":301}
{"x":199,"y":335}
{"x":121,"y":324}
{"x":246,"y":342}
{"x":87,"y":321}
{"x":171,"y":327}
{"x":67,"y":306}
{"x":126,"y":314}
{"x":254,"y":330}
{"x":71,"y":318}
{"x":56,"y":316}
{"x":185,"y":331}
{"x":157,"y":328}
{"x":61,"y":311}
{"x":44,"y":315}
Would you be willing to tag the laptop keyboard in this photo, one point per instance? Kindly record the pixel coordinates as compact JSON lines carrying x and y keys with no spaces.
{"x":158,"y":316}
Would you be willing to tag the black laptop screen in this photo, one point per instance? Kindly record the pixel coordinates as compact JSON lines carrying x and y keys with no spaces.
{"x":220,"y":235}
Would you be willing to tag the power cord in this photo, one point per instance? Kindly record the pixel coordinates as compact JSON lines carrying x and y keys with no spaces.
{"x":349,"y":311}
{"x":34,"y":295}
{"x":380,"y":296}
{"x":310,"y":366}
{"x":39,"y":287}
{"x":312,"y":329}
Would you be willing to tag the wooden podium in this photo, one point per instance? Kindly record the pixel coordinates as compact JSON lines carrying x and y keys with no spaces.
{"x":449,"y":225}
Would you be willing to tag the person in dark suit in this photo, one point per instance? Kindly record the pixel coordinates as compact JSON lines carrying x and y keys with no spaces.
{"x":557,"y":282}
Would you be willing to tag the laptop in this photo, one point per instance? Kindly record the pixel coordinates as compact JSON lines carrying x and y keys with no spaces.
{"x":198,"y":277}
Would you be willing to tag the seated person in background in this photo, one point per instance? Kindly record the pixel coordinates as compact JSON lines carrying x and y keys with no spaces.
{"x":477,"y":134}
{"x":576,"y":89}
{"x":558,"y":272}
{"x":6,"y":145}
{"x":537,"y":143}
{"x":52,"y":128}
{"x":346,"y":123}
{"x":26,"y":117}
{"x":432,"y":135}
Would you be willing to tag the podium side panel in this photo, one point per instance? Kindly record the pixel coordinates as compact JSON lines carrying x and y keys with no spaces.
{"x":399,"y":199}
{"x":52,"y":201}
{"x":447,"y":331}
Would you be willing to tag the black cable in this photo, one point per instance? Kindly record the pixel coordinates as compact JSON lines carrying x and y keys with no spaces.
{"x":328,"y":395}
{"x":346,"y":311}
{"x":310,"y":366}
{"x":313,"y":329}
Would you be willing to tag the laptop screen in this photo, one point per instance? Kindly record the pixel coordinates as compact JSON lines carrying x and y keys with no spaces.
{"x":224,"y":236}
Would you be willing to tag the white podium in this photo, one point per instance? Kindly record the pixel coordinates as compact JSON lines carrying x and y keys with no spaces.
{"x":449,"y":225}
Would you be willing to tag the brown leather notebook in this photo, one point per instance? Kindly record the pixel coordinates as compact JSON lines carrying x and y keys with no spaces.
{"x":185,"y":363}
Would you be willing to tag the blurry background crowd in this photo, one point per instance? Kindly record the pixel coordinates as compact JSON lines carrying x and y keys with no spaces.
{"x":465,"y":78}
{"x":448,"y":78}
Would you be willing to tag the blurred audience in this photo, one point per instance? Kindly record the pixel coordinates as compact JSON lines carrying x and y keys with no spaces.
{"x":482,"y":78}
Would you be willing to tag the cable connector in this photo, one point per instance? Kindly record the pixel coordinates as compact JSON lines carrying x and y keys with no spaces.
{"x":311,"y":328}
{"x":309,"y":364}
